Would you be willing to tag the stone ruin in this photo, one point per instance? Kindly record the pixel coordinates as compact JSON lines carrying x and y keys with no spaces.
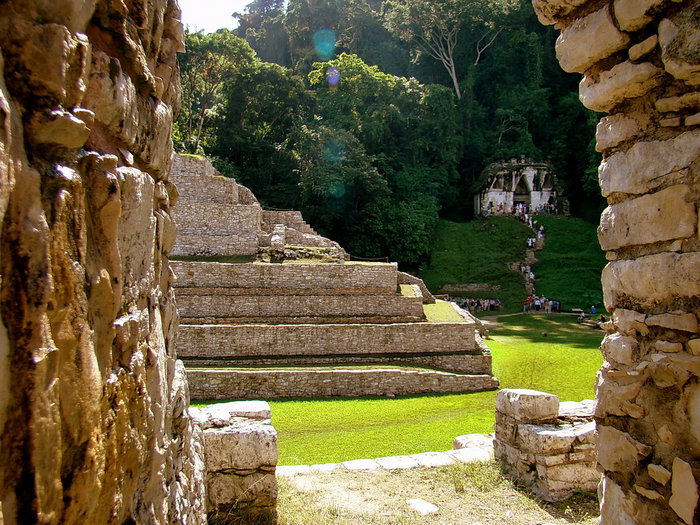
{"x":641,"y":65}
{"x":546,"y":445}
{"x":307,"y":328}
{"x":93,"y":405}
{"x":519,"y":181}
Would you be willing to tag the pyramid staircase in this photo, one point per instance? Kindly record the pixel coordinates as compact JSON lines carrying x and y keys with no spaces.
{"x":265,"y":330}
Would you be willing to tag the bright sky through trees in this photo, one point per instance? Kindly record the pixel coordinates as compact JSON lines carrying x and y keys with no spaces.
{"x":210,"y":15}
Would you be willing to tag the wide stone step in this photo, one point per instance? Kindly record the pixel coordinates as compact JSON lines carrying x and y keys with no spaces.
{"x":254,"y":340}
{"x":211,"y":384}
{"x":276,"y":308}
{"x":381,"y":278}
{"x":302,"y":320}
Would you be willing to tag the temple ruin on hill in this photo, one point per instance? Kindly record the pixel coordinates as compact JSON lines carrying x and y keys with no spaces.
{"x":309,"y":329}
{"x":516,"y":182}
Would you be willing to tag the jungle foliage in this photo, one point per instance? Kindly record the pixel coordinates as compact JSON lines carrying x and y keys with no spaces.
{"x":377,"y":117}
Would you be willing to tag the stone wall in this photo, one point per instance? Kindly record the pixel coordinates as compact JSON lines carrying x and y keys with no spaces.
{"x":204,"y":309}
{"x":240,"y":384}
{"x":317,"y":279}
{"x":546,"y":445}
{"x":93,"y":405}
{"x":641,"y":65}
{"x":240,"y":448}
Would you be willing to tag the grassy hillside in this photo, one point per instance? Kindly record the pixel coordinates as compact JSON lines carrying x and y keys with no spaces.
{"x":571,"y":262}
{"x":478,"y":251}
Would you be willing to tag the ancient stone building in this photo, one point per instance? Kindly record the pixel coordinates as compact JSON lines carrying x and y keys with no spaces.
{"x":518,"y":181}
{"x":321,"y":329}
{"x":94,"y":426}
{"x":641,"y":65}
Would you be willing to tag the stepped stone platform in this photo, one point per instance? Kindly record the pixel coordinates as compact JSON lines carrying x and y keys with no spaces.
{"x":312,"y":329}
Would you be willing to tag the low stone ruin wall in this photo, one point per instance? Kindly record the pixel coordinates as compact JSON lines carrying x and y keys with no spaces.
{"x":240,"y":452}
{"x":545,"y":445}
{"x":312,"y":278}
{"x":270,"y":384}
{"x":641,"y":65}
{"x":203,"y":309}
{"x":291,"y":219}
{"x":319,"y":340}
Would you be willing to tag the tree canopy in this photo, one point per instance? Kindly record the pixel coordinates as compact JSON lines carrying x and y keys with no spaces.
{"x":375,"y":117}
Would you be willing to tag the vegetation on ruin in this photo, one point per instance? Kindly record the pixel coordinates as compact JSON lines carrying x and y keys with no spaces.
{"x":441,"y":312}
{"x":464,"y":493}
{"x":370,"y":132}
{"x":563,"y":362}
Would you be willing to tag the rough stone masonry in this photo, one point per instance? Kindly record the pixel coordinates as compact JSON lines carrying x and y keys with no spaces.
{"x":641,"y":65}
{"x":93,"y":405}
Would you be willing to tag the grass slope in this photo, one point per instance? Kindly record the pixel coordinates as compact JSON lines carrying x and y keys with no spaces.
{"x":478,"y":252}
{"x":571,"y":262}
{"x":321,"y":431}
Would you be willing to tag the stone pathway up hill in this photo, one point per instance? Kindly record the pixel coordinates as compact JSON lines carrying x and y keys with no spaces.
{"x":294,"y":329}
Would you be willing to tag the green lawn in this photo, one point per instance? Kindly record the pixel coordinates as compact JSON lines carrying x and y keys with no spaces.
{"x":478,"y":252}
{"x":563,"y":362}
{"x":571,"y":262}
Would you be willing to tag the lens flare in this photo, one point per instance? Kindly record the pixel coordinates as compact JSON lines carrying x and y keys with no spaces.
{"x":333,"y":151}
{"x":324,"y":42}
{"x":333,"y":76}
{"x":337,"y":189}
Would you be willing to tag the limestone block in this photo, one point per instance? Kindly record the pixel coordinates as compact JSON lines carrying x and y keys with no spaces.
{"x":589,"y":40}
{"x":648,"y":281}
{"x":668,"y":347}
{"x":632,"y":14}
{"x":397,"y":462}
{"x":659,"y":474}
{"x":679,"y":103}
{"x":678,"y":38}
{"x":618,"y":451}
{"x":693,"y":410}
{"x":258,"y":489}
{"x":473,"y":441}
{"x":629,"y":322}
{"x":619,"y":348}
{"x":672,"y":122}
{"x":684,"y":488}
{"x":693,"y":346}
{"x":59,"y":127}
{"x":643,"y":48}
{"x":575,"y":475}
{"x":360,"y":464}
{"x":553,"y":440}
{"x":615,"y":505}
{"x":674,"y":321}
{"x":662,"y":216}
{"x":648,"y":493}
{"x":570,"y":409}
{"x":241,"y":446}
{"x":624,"y":81}
{"x":223,"y":414}
{"x":513,"y":459}
{"x":640,"y":168}
{"x":527,"y":405}
{"x":613,"y":130}
{"x":692,"y":120}
{"x":551,"y":11}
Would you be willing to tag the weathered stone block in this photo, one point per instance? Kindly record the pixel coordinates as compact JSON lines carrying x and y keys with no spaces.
{"x":629,"y":322}
{"x":240,"y":446}
{"x":641,"y":168}
{"x":678,"y":38}
{"x":616,"y":129}
{"x":665,"y":215}
{"x":684,"y":488}
{"x":693,"y":346}
{"x":692,"y":120}
{"x":624,"y":81}
{"x":230,"y":493}
{"x":674,"y":321}
{"x":619,"y":348}
{"x":681,"y":102}
{"x":632,"y":14}
{"x":616,"y":506}
{"x":618,"y":451}
{"x":551,"y":11}
{"x":659,"y":474}
{"x":527,"y":405}
{"x":643,"y":48}
{"x":589,"y":40}
{"x":647,"y":280}
{"x":668,"y":347}
{"x":551,"y":440}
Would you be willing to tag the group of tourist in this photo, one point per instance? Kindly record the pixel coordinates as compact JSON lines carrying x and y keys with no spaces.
{"x":535,"y":303}
{"x":478,"y":305}
{"x":519,"y":210}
